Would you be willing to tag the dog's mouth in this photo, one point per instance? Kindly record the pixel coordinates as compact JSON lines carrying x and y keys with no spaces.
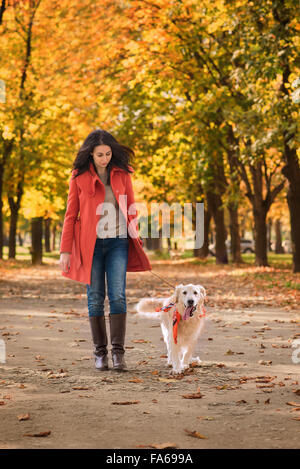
{"x":188,"y":312}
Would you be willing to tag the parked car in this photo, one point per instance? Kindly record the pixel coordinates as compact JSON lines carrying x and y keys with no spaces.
{"x":247,"y":246}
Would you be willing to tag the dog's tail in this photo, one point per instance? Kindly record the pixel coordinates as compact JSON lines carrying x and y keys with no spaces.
{"x":147,"y":307}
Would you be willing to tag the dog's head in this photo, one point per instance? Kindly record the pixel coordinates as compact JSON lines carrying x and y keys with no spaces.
{"x":189,"y":298}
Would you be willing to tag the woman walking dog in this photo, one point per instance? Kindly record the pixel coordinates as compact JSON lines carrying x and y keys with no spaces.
{"x":100,"y":238}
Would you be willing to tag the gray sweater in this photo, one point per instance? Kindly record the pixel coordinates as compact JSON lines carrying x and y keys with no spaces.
{"x":112,"y":221}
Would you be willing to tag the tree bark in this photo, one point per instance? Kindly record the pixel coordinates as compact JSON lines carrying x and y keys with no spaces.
{"x":278,"y":245}
{"x":260,"y":234}
{"x":292,"y":172}
{"x":233,"y":157}
{"x":260,"y":205}
{"x":270,"y":223}
{"x":37,"y":240}
{"x":47,"y":223}
{"x":7,"y":150}
{"x":282,"y":15}
{"x":215,"y":206}
{"x":235,"y":244}
{"x":204,"y":251}
{"x":53,"y":236}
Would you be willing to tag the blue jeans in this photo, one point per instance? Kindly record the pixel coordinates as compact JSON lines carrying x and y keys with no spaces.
{"x":110,"y":256}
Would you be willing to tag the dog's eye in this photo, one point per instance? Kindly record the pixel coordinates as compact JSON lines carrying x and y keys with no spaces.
{"x":184,"y":292}
{"x":195,"y":293}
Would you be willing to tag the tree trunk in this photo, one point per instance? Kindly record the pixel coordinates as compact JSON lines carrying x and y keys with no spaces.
{"x":7,"y":150}
{"x":233,"y":156}
{"x":53,"y":236}
{"x":14,"y":213}
{"x":37,"y":240}
{"x":260,"y":233}
{"x":235,"y":239}
{"x":47,"y":223}
{"x":278,"y":246}
{"x":283,"y":16}
{"x":21,"y":241}
{"x":293,"y":198}
{"x":204,"y":251}
{"x":215,"y":206}
{"x":1,"y":211}
{"x":270,"y":222}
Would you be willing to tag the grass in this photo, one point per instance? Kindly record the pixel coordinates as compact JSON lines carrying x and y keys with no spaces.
{"x":278,"y":261}
{"x":23,"y":256}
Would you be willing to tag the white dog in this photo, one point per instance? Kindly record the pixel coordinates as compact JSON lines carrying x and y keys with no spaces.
{"x":181,"y":319}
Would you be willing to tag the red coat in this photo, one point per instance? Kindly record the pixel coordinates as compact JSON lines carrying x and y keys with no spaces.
{"x":86,"y":195}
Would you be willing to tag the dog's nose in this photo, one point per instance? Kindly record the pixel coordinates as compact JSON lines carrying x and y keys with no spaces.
{"x":190,"y":302}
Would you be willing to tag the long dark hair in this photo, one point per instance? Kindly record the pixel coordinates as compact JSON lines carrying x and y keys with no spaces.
{"x":121,"y":154}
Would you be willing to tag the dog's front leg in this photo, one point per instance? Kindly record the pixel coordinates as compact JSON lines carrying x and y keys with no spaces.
{"x":175,"y":359}
{"x":165,"y":333}
{"x":188,"y":358}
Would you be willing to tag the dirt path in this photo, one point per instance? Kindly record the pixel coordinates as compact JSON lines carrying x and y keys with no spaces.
{"x":49,"y":369}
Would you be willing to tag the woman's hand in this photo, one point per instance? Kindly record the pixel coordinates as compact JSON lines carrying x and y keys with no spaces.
{"x":64,"y":261}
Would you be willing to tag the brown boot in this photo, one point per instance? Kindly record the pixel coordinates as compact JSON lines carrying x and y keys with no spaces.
{"x":117,"y":324}
{"x":98,"y":329}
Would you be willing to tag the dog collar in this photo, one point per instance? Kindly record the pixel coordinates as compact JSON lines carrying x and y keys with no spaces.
{"x":177,"y":317}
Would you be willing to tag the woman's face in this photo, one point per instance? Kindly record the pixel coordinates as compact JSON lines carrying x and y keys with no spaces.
{"x":102,"y":155}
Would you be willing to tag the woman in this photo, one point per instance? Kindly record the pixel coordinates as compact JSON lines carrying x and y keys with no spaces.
{"x":100,"y":236}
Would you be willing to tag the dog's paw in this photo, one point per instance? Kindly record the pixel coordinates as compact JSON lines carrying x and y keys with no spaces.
{"x":195,"y":360}
{"x":176,"y":372}
{"x":185,"y":367}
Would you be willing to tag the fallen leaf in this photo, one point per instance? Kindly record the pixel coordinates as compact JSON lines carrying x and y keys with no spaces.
{"x":195,"y":434}
{"x":23,"y":417}
{"x":205,"y":418}
{"x":140,"y":341}
{"x":125,"y":403}
{"x":167,"y":445}
{"x":265,"y":386}
{"x":196,"y":395}
{"x":41,"y":434}
{"x":167,"y":380}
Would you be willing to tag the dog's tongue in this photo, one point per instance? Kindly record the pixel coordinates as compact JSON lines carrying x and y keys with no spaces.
{"x":187,"y":312}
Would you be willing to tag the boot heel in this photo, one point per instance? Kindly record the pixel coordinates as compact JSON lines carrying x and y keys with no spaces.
{"x":99,"y":336}
{"x":117,"y":324}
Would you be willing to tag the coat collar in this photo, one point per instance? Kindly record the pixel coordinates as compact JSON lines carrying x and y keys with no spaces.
{"x":95,"y":176}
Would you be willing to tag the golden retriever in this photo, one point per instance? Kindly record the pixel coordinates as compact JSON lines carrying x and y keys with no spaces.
{"x":182,"y":317}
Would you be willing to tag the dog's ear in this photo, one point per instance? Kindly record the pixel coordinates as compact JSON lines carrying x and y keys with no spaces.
{"x":175,"y":297}
{"x":202,"y":290}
